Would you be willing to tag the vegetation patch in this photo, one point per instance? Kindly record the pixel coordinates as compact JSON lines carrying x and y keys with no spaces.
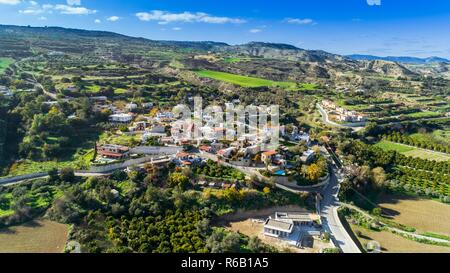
{"x":5,"y":63}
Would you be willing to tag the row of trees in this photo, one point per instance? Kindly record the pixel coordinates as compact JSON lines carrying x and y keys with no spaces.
{"x":374,"y":165}
{"x":425,"y":144}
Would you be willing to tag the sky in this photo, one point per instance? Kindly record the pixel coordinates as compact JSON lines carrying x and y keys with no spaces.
{"x":378,"y":27}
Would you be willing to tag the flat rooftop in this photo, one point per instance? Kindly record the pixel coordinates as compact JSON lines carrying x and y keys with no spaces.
{"x":284,"y":225}
{"x":294,"y":216}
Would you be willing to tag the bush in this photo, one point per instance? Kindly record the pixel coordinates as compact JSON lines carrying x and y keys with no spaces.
{"x":67,"y":175}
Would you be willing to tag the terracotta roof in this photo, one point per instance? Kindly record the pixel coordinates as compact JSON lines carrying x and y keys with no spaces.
{"x":204,"y":148}
{"x":270,"y":153}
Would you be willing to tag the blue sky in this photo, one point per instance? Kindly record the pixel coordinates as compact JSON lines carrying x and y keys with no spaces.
{"x":379,"y":27}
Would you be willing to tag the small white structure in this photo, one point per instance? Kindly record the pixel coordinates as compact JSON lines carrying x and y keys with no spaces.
{"x":147,"y":105}
{"x":131,"y":106}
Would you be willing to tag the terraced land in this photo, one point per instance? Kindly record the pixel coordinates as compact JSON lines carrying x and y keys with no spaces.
{"x":246,"y":81}
{"x":412,"y":151}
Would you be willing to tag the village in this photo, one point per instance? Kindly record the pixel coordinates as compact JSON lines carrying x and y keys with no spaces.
{"x":248,"y":155}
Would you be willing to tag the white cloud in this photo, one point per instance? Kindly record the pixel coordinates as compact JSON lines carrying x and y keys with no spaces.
{"x":33,"y":3}
{"x":97,"y":21}
{"x":65,"y":9}
{"x":299,"y":21}
{"x":42,"y":18}
{"x":374,"y":2}
{"x":113,"y":18}
{"x":74,"y":2}
{"x":10,"y":2}
{"x":176,"y":28}
{"x":62,"y":9}
{"x":164,"y":17}
{"x":255,"y":30}
{"x":36,"y":9}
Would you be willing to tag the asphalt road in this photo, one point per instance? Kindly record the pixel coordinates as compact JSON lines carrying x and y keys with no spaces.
{"x":330,"y":219}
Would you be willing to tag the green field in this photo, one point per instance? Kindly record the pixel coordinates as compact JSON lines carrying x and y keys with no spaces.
{"x":412,"y":151}
{"x":4,"y":63}
{"x":232,"y":60}
{"x":424,"y":114}
{"x":246,"y":81}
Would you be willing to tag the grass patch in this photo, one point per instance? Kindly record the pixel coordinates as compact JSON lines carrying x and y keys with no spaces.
{"x":392,"y":146}
{"x":232,"y":60}
{"x":412,"y":151}
{"x":424,"y":114}
{"x":246,"y":81}
{"x":5,"y":63}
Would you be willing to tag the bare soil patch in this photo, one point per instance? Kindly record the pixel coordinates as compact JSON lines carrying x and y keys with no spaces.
{"x":422,"y":214}
{"x":40,"y":236}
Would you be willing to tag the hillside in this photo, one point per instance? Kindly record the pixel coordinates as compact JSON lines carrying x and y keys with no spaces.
{"x":276,"y":62}
{"x":390,"y":69}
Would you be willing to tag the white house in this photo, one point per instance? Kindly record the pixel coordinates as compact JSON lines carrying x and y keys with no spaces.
{"x":307,"y":156}
{"x":165,"y":115}
{"x":121,"y":118}
{"x":284,"y":223}
{"x":278,"y":228}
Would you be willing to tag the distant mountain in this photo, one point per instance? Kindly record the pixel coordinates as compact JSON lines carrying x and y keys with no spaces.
{"x":407,"y":60}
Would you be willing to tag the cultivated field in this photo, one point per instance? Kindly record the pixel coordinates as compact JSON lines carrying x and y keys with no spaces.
{"x":412,"y":151}
{"x":423,"y":214}
{"x":40,"y":236}
{"x":392,"y":243}
{"x":246,"y":81}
